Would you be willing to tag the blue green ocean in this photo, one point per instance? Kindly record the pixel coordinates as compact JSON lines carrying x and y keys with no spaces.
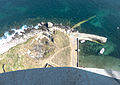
{"x":16,"y":13}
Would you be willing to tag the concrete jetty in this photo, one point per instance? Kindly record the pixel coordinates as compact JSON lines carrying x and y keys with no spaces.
{"x":90,"y":37}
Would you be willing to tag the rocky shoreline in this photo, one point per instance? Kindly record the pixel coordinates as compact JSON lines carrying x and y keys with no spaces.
{"x":22,"y":35}
{"x":43,"y":29}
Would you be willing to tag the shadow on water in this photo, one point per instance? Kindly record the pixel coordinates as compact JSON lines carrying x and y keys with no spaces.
{"x":111,"y":73}
{"x":56,"y":76}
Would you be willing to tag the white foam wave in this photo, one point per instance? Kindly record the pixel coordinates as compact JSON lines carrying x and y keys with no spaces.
{"x":6,"y":38}
{"x":36,"y":27}
{"x":6,"y":41}
{"x":24,"y":27}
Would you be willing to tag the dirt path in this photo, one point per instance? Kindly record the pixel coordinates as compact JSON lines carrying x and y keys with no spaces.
{"x":57,"y":52}
{"x":73,"y":52}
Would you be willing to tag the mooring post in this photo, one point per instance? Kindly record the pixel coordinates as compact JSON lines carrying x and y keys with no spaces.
{"x":77,"y":52}
{"x":3,"y":67}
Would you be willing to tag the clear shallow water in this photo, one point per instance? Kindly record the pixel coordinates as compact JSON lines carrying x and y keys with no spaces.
{"x":15,"y":13}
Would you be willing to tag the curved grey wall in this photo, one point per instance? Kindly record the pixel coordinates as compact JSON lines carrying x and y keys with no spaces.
{"x":56,"y":76}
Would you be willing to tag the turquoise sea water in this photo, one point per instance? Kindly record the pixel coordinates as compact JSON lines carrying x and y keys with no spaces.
{"x":15,"y":13}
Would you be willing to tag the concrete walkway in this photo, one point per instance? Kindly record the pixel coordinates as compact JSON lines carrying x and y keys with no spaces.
{"x":73,"y":45}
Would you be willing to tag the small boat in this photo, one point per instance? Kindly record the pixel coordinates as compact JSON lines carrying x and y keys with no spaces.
{"x":102,"y":50}
{"x":82,"y":41}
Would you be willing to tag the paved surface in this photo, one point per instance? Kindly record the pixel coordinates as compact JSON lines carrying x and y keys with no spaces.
{"x":56,"y":76}
{"x":73,"y":45}
{"x":90,"y":37}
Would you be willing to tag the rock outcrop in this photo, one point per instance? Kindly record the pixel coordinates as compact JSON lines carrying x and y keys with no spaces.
{"x":22,"y":35}
{"x":49,"y":24}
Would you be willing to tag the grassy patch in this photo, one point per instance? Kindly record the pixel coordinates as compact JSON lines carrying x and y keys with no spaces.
{"x":18,"y":59}
{"x":63,"y":57}
{"x":61,"y":39}
{"x":13,"y":59}
{"x":29,"y":40}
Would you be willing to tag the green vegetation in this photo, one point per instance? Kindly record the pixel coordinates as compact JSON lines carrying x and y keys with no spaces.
{"x":18,"y":58}
{"x":81,"y":22}
{"x":29,"y":40}
{"x":63,"y":57}
{"x":61,"y":40}
{"x":12,"y":60}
